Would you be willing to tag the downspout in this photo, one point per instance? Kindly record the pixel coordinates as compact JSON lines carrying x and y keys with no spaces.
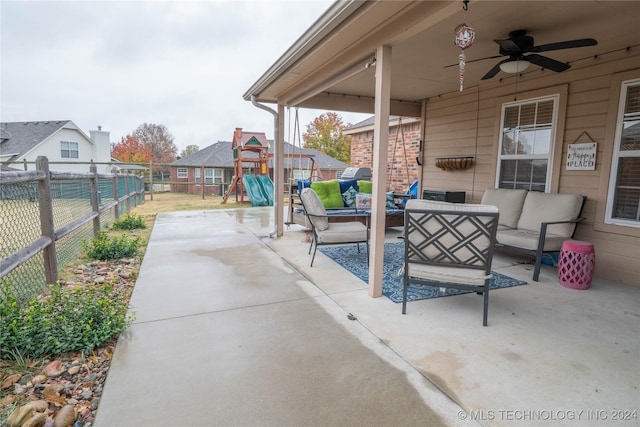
{"x":276,"y":161}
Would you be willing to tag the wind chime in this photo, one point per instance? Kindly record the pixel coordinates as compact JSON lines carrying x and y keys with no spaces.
{"x":463,"y":37}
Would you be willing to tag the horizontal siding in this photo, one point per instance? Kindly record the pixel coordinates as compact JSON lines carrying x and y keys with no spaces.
{"x":579,"y":183}
{"x":466,"y":124}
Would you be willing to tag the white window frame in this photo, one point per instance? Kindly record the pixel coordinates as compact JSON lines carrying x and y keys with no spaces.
{"x":617,"y":154}
{"x":196,"y":175}
{"x":208,"y":176}
{"x":548,"y":157}
{"x":69,"y":147}
{"x":303,"y":174}
{"x":217,"y":176}
{"x":182,"y":173}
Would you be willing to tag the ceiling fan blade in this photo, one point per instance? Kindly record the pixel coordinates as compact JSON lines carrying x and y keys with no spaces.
{"x":564,"y":45}
{"x":474,"y":60}
{"x":496,"y":68}
{"x":545,"y":62}
{"x":508,"y":45}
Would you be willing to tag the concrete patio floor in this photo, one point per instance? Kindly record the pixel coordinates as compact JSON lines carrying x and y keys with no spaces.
{"x":235,"y":328}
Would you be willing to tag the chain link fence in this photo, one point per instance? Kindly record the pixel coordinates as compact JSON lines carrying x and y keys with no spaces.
{"x":45,"y":216}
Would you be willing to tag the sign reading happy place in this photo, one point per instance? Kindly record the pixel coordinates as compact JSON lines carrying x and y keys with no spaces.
{"x":581,"y":156}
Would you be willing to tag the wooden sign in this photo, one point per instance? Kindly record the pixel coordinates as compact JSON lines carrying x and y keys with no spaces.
{"x":581,"y":156}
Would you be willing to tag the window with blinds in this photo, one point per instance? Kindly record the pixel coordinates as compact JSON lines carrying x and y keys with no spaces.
{"x":623,"y":204}
{"x":526,"y":144}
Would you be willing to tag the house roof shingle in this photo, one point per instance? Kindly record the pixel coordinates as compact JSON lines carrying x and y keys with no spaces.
{"x":19,"y":137}
{"x":220,"y":155}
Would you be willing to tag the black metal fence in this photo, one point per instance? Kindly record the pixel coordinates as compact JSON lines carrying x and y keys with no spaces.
{"x":45,"y":216}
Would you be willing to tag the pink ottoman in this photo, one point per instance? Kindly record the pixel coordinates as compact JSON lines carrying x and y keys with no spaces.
{"x":576,"y":264}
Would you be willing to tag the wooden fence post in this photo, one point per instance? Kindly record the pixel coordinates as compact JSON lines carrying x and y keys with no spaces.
{"x":202,"y":179}
{"x":94,"y":198}
{"x":116,"y":196}
{"x":46,"y":221}
{"x":151,"y":179}
{"x":126,"y":192}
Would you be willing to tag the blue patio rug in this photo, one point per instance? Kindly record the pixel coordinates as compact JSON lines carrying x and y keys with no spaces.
{"x":356,"y":263}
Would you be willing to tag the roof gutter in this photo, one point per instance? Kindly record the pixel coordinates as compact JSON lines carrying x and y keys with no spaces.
{"x":255,"y":102}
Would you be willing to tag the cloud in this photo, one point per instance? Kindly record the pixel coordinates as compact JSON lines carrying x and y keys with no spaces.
{"x":118,"y":64}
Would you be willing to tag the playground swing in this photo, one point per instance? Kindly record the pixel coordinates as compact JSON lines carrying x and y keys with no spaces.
{"x":296,"y":142}
{"x":411,"y":188}
{"x":314,"y":171}
{"x":296,"y":130}
{"x":259,"y":187}
{"x":399,"y":131}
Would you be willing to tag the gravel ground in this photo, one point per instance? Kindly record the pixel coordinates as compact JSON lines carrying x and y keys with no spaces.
{"x":66,"y":390}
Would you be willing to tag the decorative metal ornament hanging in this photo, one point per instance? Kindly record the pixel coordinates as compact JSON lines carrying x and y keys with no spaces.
{"x":463,"y":37}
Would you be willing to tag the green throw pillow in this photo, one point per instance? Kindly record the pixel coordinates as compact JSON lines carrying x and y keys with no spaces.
{"x":365,"y":187}
{"x":329,"y":193}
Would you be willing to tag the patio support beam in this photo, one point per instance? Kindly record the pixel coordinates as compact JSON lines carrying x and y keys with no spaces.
{"x":380,"y":144}
{"x":278,"y":172}
{"x":278,"y":165}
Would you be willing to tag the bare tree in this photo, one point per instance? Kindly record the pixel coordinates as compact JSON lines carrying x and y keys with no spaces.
{"x":159,"y":139}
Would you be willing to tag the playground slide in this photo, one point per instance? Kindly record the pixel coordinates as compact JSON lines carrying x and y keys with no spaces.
{"x":253,"y":190}
{"x":266,"y":185}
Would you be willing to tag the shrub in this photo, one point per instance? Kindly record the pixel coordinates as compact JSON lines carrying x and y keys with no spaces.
{"x":105,"y":248}
{"x":129,"y":221}
{"x":68,"y":319}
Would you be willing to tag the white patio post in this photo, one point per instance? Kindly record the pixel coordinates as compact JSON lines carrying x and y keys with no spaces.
{"x":380,"y":144}
{"x":278,"y":172}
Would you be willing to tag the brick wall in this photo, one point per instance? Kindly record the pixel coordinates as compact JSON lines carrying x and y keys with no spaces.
{"x":404,"y":147}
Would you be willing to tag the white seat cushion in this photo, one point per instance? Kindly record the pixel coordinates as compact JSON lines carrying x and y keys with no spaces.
{"x":509,"y":203}
{"x":340,"y":232}
{"x":544,"y":207}
{"x":446,"y":206}
{"x":314,"y":206}
{"x":448,"y":274}
{"x":528,"y":239}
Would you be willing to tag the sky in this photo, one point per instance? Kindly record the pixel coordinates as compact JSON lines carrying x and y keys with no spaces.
{"x":119,"y":64}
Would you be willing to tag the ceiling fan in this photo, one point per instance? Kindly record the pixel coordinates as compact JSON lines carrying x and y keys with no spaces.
{"x":521,"y":51}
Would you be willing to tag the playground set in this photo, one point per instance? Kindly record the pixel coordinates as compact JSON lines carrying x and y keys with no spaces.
{"x":253,"y":148}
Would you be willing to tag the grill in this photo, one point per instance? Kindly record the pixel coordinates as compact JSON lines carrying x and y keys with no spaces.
{"x":357,"y":173}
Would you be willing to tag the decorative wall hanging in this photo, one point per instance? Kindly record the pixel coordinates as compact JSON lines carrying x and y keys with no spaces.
{"x":582,"y":156}
{"x":463,"y":37}
{"x":454,"y":163}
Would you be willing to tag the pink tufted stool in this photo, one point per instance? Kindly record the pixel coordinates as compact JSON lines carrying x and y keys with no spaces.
{"x":576,"y":264}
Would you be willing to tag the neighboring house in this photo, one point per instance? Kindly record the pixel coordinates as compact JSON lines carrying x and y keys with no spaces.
{"x":522,"y":128}
{"x":402,"y":154}
{"x":215,"y":163}
{"x":66,"y":146}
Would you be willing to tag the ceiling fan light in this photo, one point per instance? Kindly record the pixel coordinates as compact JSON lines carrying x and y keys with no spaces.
{"x":513,"y":67}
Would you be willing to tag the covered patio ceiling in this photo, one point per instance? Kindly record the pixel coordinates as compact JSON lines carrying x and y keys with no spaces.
{"x":329,"y":66}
